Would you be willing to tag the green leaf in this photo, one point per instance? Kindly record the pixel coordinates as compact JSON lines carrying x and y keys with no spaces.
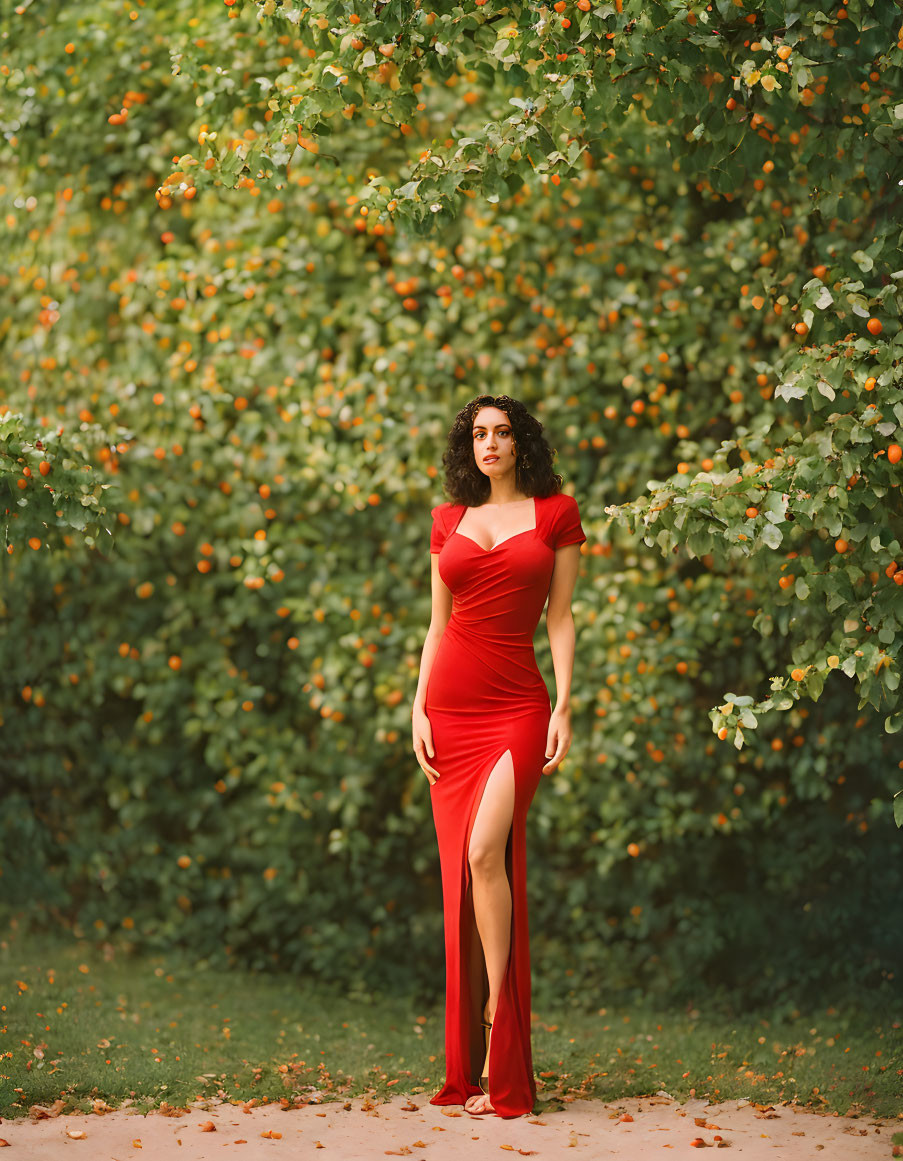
{"x":894,"y":723}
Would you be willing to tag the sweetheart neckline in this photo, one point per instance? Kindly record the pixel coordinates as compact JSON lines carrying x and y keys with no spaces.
{"x":507,"y":538}
{"x":495,"y":546}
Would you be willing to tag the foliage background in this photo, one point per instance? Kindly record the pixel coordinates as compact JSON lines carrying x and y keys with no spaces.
{"x":679,"y":245}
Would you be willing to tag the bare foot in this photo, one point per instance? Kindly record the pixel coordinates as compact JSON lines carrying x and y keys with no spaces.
{"x":479,"y":1103}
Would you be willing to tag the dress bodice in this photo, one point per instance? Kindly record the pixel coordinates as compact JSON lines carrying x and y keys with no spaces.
{"x":501,"y":591}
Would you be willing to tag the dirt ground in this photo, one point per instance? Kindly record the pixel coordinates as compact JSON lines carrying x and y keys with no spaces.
{"x":634,"y":1127}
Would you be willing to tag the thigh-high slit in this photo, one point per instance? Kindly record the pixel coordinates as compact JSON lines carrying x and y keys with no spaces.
{"x":457,"y":797}
{"x":478,"y":975}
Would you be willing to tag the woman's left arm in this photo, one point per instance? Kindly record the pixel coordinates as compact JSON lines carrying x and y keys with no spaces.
{"x":562,"y":640}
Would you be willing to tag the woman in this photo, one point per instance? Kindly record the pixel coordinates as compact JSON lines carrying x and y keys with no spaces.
{"x":483,"y":725}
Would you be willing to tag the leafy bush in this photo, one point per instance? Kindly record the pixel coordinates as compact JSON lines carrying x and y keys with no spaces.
{"x":685,"y":269}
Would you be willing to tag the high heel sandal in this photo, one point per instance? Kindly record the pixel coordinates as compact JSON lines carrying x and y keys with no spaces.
{"x":484,"y":1076}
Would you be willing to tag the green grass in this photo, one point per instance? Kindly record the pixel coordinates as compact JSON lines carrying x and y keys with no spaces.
{"x":79,"y":1024}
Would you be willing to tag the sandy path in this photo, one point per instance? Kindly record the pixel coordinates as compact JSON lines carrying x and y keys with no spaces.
{"x":411,"y":1127}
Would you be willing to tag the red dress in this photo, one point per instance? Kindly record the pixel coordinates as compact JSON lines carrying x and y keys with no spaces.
{"x":485,"y":695}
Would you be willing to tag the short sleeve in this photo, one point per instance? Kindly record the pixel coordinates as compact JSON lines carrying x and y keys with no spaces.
{"x":437,"y":532}
{"x":567,"y":528}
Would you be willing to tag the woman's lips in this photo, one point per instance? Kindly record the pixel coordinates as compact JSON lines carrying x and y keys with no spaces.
{"x":489,"y":459}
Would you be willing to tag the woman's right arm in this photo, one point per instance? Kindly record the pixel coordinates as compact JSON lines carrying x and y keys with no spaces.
{"x":441,"y":612}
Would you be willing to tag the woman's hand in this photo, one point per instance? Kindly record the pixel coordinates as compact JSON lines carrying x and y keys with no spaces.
{"x":558,"y":741}
{"x":423,"y":742}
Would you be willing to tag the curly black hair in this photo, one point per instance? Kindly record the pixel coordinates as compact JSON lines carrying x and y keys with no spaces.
{"x":466,"y":484}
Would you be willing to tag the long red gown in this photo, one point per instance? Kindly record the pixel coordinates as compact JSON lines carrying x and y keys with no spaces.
{"x":485,"y":696}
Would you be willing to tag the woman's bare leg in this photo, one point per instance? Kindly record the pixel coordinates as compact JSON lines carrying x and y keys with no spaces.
{"x":492,"y":903}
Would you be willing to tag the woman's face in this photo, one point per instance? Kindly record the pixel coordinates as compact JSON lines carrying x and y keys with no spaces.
{"x":493,"y":442}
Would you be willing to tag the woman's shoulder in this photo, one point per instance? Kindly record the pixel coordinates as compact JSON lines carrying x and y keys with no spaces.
{"x":559,"y":501}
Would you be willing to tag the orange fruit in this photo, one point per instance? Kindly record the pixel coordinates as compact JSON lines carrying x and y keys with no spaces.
{"x":894,"y":452}
{"x":841,"y":545}
{"x":874,"y":326}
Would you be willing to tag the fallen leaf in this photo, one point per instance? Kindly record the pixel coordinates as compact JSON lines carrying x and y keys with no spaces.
{"x":410,"y":1107}
{"x":625,"y":1117}
{"x":207,"y":1127}
{"x":272,"y":1134}
{"x":77,"y":1134}
{"x":136,"y":1144}
{"x":38,"y":1112}
{"x":4,"y":1144}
